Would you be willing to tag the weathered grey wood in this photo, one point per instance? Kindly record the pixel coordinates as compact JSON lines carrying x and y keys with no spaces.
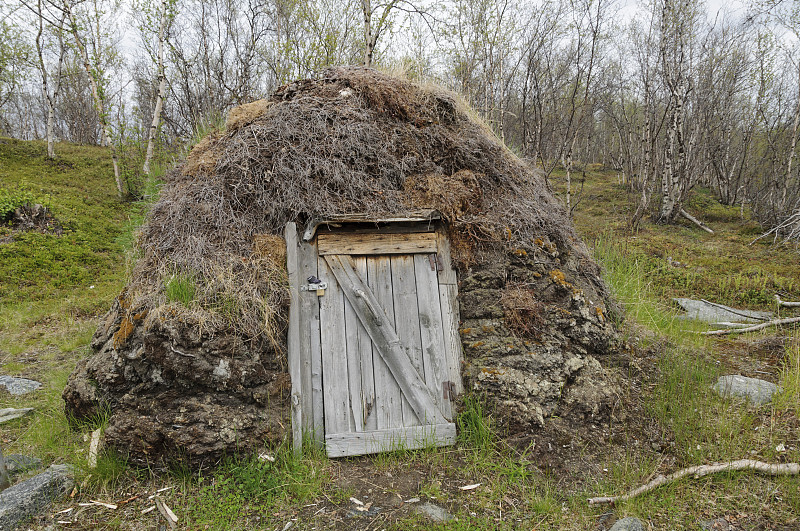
{"x":388,"y":401}
{"x":336,"y":221}
{"x":359,"y":360}
{"x":406,"y":320}
{"x":310,"y":348}
{"x":385,"y":339}
{"x":434,"y":354}
{"x":447,"y":275}
{"x":448,"y":297}
{"x":293,"y":338}
{"x":408,"y":438}
{"x":367,"y":372}
{"x":368,"y":244}
{"x":334,"y":358}
{"x":452,"y":340}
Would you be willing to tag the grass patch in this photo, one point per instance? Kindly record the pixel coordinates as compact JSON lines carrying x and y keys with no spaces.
{"x":181,"y":288}
{"x":244,"y":489}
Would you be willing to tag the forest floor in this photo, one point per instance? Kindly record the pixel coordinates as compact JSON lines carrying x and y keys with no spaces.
{"x":55,"y":286}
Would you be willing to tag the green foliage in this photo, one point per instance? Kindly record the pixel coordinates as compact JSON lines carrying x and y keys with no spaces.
{"x":475,"y":426}
{"x":243,"y":488}
{"x":182,"y":288}
{"x":11,"y":199}
{"x":84,"y":261}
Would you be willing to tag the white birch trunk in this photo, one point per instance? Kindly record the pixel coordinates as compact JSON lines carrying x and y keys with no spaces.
{"x":162,"y":86}
{"x":98,"y":101}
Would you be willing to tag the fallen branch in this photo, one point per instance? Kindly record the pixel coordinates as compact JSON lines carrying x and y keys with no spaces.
{"x":774,"y":322}
{"x":787,"y":469}
{"x":786,"y":304}
{"x":696,"y":221}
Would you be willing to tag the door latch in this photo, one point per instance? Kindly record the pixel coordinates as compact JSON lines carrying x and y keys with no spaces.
{"x":315,"y":284}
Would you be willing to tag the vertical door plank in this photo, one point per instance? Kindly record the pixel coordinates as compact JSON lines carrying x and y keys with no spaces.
{"x":311,"y":375}
{"x":367,"y":396}
{"x":448,"y":293}
{"x":434,"y":355}
{"x":334,"y":355}
{"x":406,"y":320}
{"x":388,"y":400}
{"x":293,"y":347}
{"x":359,"y":360}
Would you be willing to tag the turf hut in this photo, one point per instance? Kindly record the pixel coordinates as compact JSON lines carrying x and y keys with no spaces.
{"x":425,"y":261}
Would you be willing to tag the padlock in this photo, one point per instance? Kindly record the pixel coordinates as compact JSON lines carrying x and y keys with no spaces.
{"x":320,"y":292}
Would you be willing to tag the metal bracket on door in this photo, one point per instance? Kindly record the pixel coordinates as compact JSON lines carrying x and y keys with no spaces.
{"x":449,"y":390}
{"x":319,"y":287}
{"x":435,"y":261}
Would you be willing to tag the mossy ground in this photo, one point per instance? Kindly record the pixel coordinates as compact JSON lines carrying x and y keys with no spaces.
{"x":49,"y":309}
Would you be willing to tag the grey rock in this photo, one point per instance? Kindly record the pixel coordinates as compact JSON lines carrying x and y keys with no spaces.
{"x":17,"y":463}
{"x":757,"y":391}
{"x":24,"y":500}
{"x":10,"y":413}
{"x":628,"y":524}
{"x":18,"y":386}
{"x":715,"y":313}
{"x":434,"y":512}
{"x":720,"y":524}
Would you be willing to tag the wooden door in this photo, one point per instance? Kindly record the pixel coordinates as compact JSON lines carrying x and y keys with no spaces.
{"x":382,"y":342}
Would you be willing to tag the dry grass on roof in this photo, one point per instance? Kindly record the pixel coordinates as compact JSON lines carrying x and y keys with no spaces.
{"x":351,"y":141}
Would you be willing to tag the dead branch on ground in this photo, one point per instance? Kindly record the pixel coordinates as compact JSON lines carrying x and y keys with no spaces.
{"x":785,"y":469}
{"x":696,"y":221}
{"x":774,"y":322}
{"x":786,"y":304}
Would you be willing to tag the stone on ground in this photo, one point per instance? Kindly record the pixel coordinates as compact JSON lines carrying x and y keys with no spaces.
{"x":716,"y":313}
{"x":10,"y":413}
{"x":17,"y":463}
{"x":628,"y":524}
{"x":434,"y":512}
{"x":24,"y":500}
{"x":759,"y":392}
{"x":18,"y":386}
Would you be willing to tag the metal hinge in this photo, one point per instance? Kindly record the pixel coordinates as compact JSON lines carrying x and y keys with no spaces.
{"x":449,"y":390}
{"x":436,"y":263}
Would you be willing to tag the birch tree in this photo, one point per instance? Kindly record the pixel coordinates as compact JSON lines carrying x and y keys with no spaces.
{"x":165,"y":14}
{"x":92,"y":65}
{"x":50,"y":90}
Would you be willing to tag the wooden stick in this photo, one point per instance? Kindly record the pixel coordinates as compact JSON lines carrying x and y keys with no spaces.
{"x":696,"y":221}
{"x":786,"y":304}
{"x":774,"y":322}
{"x":5,"y":481}
{"x":787,"y":469}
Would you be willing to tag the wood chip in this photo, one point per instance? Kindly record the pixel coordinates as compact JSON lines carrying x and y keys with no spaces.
{"x":145,"y":511}
{"x":357,"y":502}
{"x":166,"y":512}
{"x":104,"y":504}
{"x":470,"y":487}
{"x":94,"y":447}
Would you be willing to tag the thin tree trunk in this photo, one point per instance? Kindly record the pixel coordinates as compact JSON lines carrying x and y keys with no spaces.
{"x":51,"y":98}
{"x":162,"y":86}
{"x":369,"y":43}
{"x":98,"y":100}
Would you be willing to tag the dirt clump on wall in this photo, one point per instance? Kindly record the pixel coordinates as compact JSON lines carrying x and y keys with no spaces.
{"x":190,"y":360}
